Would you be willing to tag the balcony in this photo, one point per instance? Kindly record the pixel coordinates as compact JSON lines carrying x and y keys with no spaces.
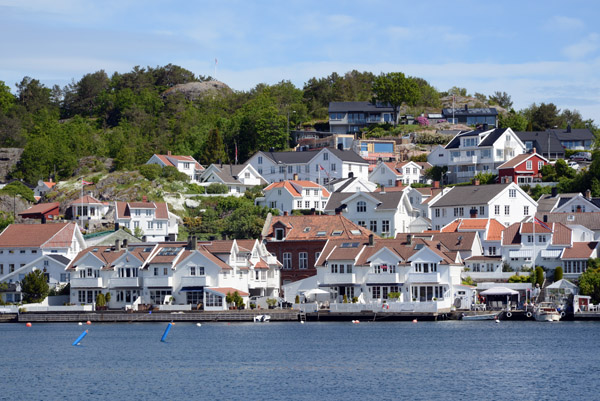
{"x":124,"y":282}
{"x":339,"y":278}
{"x":273,"y":282}
{"x":357,"y":121}
{"x":466,"y":174}
{"x":158,"y":281}
{"x":88,"y":282}
{"x":385,"y":278}
{"x":252,"y":284}
{"x":197,"y":281}
{"x":465,"y":159}
{"x":424,"y":277}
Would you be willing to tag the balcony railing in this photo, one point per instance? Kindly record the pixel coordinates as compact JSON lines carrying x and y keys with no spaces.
{"x":158,"y":281}
{"x":88,"y":282}
{"x":424,"y":277}
{"x":123,"y":282}
{"x":197,"y":281}
{"x":464,"y":159}
{"x":463,"y":174}
{"x":340,"y":278}
{"x":385,"y":278}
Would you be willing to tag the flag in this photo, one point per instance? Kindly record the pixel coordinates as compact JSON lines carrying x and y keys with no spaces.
{"x":86,"y":182}
{"x":236,"y":159}
{"x":321,"y":168}
{"x":541,"y":223}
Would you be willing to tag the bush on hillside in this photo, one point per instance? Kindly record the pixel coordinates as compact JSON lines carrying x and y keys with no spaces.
{"x":217,"y":188}
{"x":150,"y":171}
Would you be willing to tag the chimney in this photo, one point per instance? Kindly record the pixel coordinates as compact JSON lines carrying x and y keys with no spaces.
{"x":295,"y":177}
{"x":124,"y":244}
{"x":439,"y":246}
{"x":351,"y":174}
{"x":569,"y":128}
{"x":285,"y":213}
{"x":371,"y":239}
{"x":271,"y":150}
{"x":340,"y":146}
{"x":408,"y":239}
{"x":117,"y":245}
{"x":474,"y":213}
{"x":192,"y":243}
{"x":168,"y":153}
{"x":578,"y":209}
{"x":588,"y":194}
{"x":476,"y":182}
{"x":459,"y":239}
{"x":484,"y":127}
{"x":49,"y":179}
{"x":554,"y":192}
{"x":534,"y":150}
{"x":436,"y":184}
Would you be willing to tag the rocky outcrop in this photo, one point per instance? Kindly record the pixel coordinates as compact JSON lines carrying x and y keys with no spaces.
{"x":195,"y":90}
{"x":8,"y":159}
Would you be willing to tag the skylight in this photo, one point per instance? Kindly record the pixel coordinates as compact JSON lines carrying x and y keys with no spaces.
{"x":355,"y":232}
{"x":168,"y":251}
{"x":337,"y":233}
{"x":321,"y":233}
{"x":349,"y":245}
{"x":306,"y":229}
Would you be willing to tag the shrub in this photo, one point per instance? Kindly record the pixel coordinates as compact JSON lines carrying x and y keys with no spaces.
{"x":297,"y":299}
{"x":171,"y":173}
{"x":150,"y":171}
{"x":539,"y":275}
{"x":100,"y":300}
{"x":217,"y":188}
{"x":18,"y":188}
{"x":345,"y":299}
{"x":354,"y":300}
{"x":558,"y":273}
{"x":518,"y":279}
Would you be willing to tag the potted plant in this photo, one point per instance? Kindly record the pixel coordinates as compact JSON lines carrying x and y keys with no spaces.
{"x":107,"y":297}
{"x":272,"y":302}
{"x":297,"y":299}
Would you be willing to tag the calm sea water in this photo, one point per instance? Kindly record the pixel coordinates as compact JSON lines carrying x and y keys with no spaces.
{"x":450,"y":360}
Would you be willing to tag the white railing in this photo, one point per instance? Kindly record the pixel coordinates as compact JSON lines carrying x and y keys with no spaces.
{"x":385,"y":278}
{"x":465,"y":174}
{"x":310,"y":307}
{"x":424,"y":277}
{"x":421,"y":307}
{"x":87,"y":282}
{"x":498,"y":275}
{"x":465,"y":159}
{"x":199,"y":281}
{"x":175,"y":308}
{"x":158,"y":281}
{"x":120,"y":282}
{"x":339,"y":278}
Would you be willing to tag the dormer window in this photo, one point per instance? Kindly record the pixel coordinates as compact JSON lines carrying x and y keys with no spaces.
{"x":279,"y":234}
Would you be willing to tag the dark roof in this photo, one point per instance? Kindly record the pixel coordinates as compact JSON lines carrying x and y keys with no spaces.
{"x":590,"y":220}
{"x":469,"y":195}
{"x":580,"y":134}
{"x":305,"y":157}
{"x":388,"y":200}
{"x":335,"y":107}
{"x":60,"y":258}
{"x":488,"y":111}
{"x":346,"y":184}
{"x":541,"y":141}
{"x":491,"y":137}
{"x":547,"y":202}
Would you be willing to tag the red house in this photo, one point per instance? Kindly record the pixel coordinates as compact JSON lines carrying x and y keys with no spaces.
{"x":522,"y":169}
{"x":41,"y":211}
{"x":297,"y":241}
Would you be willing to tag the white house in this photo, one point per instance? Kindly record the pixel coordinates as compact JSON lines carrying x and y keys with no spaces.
{"x":42,"y":188}
{"x":384,"y":213}
{"x":423,"y":273}
{"x":568,"y":202}
{"x":420,"y":198}
{"x":294,"y":195}
{"x":507,"y":203}
{"x":88,"y":208}
{"x":237,"y":177}
{"x":488,"y":230}
{"x":472,"y":152}
{"x":320,"y":166}
{"x":185,"y":164}
{"x":388,"y":173}
{"x":152,"y":218}
{"x":191,"y":275}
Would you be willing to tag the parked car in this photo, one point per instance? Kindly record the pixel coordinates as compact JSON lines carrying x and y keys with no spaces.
{"x":581,"y":156}
{"x":573,"y":165}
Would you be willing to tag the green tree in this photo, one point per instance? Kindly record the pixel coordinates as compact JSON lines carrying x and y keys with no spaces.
{"x":150,"y":171}
{"x":34,"y":287}
{"x":18,"y":188}
{"x":485,"y":178}
{"x":502,"y":99}
{"x":100,"y":300}
{"x":138,"y":232}
{"x":589,"y":282}
{"x":217,"y":188}
{"x":395,"y":89}
{"x":558,"y":273}
{"x":543,"y":116}
{"x":213,"y":150}
{"x":515,"y":121}
{"x":436,"y":173}
{"x":539,"y":275}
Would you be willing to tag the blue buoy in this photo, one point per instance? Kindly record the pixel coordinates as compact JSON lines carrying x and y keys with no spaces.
{"x":76,"y":342}
{"x":164,"y":336}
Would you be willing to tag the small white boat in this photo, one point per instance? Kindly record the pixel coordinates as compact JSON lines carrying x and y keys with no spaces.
{"x":262,"y":318}
{"x":486,"y":316}
{"x":546,"y":312}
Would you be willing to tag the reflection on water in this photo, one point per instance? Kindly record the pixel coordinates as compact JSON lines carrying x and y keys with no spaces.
{"x":389,"y":360}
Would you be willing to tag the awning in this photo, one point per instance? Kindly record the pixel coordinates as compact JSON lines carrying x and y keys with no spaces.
{"x":551,"y":253}
{"x":520,"y":253}
{"x":499,"y":291}
{"x":184,"y":289}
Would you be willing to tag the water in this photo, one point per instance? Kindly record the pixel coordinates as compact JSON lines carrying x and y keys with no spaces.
{"x":449,"y":360}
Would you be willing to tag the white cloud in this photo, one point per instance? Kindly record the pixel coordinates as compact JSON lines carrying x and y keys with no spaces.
{"x":582,"y":48}
{"x":563,"y":23}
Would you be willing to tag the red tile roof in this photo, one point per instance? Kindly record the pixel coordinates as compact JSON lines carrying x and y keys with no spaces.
{"x":294,"y":187}
{"x":307,"y":227}
{"x":86,"y":199}
{"x":40,"y":208}
{"x":124,"y":209}
{"x":580,"y":250}
{"x":228,"y":290}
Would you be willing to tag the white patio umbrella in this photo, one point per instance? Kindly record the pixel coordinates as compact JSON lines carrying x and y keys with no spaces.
{"x":315,"y":291}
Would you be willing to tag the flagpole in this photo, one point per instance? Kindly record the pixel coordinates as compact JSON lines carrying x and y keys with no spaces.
{"x":81,"y":215}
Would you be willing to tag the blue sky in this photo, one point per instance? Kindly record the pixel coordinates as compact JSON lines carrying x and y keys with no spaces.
{"x":537,"y":51}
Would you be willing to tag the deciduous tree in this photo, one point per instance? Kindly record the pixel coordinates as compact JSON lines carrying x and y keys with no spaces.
{"x":395,"y":89}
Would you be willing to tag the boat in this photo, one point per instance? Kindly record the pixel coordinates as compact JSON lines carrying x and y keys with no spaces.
{"x":486,"y":316}
{"x":546,"y":312}
{"x":262,"y":318}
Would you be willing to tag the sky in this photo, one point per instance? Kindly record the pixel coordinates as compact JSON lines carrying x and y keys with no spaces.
{"x":536,"y":51}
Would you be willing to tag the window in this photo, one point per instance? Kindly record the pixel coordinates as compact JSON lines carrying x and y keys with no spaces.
{"x":136,"y":224}
{"x":540,"y":165}
{"x":373,"y":225}
{"x":526,"y":210}
{"x":299,"y":204}
{"x":325,"y":156}
{"x":192,"y":270}
{"x":530,"y":238}
{"x":361,"y":223}
{"x":281,"y":169}
{"x":459,"y":211}
{"x":529,"y":165}
{"x":481,"y":210}
{"x":317,"y":256}
{"x":437,"y":212}
{"x":260,"y":159}
{"x":303,"y":260}
{"x":272,"y":169}
{"x":150,"y":225}
{"x":541,"y":238}
{"x":287,"y":260}
{"x":385,"y":227}
{"x":361,"y":206}
{"x":290,"y":169}
{"x":333,"y":168}
{"x":506,"y":210}
{"x":512,"y":193}
{"x":159,"y":225}
{"x":260,"y":170}
{"x":492,"y":251}
{"x":307,"y":204}
{"x":279,"y":234}
{"x":165,"y":271}
{"x":499,"y":153}
{"x":497,"y":210}
{"x":138,"y":212}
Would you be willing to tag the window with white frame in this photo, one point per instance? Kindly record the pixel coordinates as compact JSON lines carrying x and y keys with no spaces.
{"x":287,"y":260}
{"x":303,"y":260}
{"x":260,"y":159}
{"x":325,"y":156}
{"x":512,"y":193}
{"x":385,"y":226}
{"x":496,"y":209}
{"x":373,"y":225}
{"x":361,"y":206}
{"x":507,"y":209}
{"x":529,"y":165}
{"x":525,"y":210}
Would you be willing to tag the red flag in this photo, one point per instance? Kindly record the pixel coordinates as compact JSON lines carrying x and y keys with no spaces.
{"x":541,"y":223}
{"x":236,"y":159}
{"x":86,"y":182}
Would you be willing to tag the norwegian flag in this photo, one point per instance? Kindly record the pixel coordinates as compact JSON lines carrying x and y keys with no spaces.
{"x":541,"y":223}
{"x":321,"y":168}
{"x":84,"y":182}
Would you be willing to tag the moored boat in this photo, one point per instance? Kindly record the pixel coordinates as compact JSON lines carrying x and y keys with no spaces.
{"x":486,"y":316}
{"x":546,"y":312}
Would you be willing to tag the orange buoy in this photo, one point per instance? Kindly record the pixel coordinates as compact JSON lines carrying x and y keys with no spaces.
{"x":28,"y":324}
{"x":414,"y":320}
{"x":88,"y":322}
